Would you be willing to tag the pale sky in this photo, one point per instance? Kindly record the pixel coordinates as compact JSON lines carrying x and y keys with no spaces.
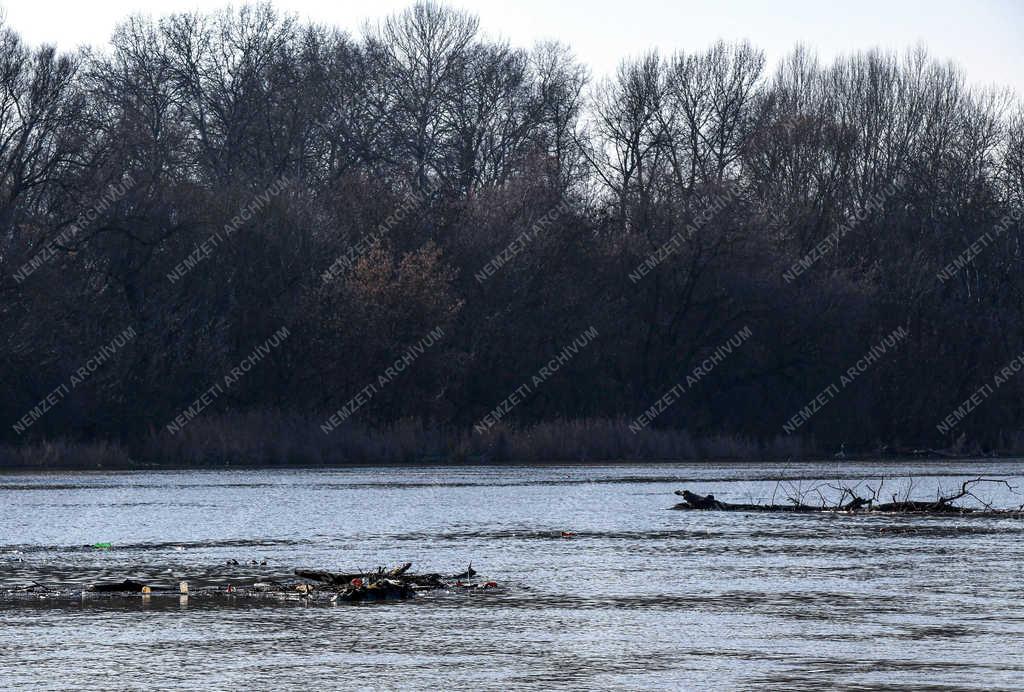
{"x":986,"y":37}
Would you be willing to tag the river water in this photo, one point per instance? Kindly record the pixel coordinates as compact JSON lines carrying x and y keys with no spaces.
{"x":640,"y":597}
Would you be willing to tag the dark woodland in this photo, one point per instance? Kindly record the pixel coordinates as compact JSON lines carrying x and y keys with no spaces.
{"x":403,"y":230}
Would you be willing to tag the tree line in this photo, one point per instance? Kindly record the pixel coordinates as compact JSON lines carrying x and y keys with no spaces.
{"x":206,"y":180}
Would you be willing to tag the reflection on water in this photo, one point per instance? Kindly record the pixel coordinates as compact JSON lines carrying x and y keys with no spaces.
{"x":639,"y":597}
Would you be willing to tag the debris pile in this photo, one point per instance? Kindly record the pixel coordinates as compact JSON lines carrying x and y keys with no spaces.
{"x":387,"y":585}
{"x":307,"y":586}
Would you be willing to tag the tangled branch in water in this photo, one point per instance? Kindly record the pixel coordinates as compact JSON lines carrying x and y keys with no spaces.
{"x":851,"y":499}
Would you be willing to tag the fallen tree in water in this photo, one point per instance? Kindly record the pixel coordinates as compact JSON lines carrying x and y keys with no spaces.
{"x":833,"y":497}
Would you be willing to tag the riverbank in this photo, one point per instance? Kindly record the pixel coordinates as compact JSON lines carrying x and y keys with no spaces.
{"x":272,"y":439}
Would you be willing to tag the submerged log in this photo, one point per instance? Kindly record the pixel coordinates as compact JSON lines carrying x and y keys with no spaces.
{"x":126,"y":586}
{"x":708,"y":502}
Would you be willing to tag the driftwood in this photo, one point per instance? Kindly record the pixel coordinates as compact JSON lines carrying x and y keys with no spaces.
{"x":849,"y":500}
{"x":395,"y":584}
{"x":375,"y":586}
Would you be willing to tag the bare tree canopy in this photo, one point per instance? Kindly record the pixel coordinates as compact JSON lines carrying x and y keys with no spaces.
{"x":206,"y":179}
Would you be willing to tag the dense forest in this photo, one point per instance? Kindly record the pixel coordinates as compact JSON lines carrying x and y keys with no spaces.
{"x":263,"y":236}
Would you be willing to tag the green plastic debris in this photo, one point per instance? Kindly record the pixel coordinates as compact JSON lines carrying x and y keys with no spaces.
{"x":102,"y":546}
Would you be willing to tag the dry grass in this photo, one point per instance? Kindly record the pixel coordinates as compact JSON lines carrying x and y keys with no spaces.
{"x":274,"y":438}
{"x":65,"y":454}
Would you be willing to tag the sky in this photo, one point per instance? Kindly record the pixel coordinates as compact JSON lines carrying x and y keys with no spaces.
{"x":986,"y":37}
